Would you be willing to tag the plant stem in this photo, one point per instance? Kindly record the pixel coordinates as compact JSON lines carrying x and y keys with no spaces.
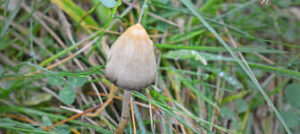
{"x":106,"y":103}
{"x":100,"y":108}
{"x":125,"y":112}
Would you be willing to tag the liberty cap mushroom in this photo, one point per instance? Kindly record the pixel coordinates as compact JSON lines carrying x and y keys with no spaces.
{"x":130,"y":65}
{"x":131,"y":60}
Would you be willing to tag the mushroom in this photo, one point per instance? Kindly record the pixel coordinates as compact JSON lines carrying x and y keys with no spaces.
{"x":131,"y":65}
{"x":131,"y":62}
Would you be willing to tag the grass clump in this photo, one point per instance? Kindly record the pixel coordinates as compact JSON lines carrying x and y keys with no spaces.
{"x":224,"y":66}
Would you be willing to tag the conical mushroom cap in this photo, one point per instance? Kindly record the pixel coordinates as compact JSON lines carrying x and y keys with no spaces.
{"x":131,"y":60}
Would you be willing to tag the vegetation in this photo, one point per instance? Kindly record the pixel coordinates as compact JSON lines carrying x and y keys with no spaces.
{"x":224,"y":66}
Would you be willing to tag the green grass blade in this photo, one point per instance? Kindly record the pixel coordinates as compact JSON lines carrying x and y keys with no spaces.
{"x":190,"y":6}
{"x":170,"y":110}
{"x":138,"y":117}
{"x":65,"y":51}
{"x":33,"y":112}
{"x":75,"y":12}
{"x":7,"y":23}
{"x":201,"y":95}
{"x":216,"y":49}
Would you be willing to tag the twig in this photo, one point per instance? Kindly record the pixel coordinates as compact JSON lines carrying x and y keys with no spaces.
{"x":72,"y":117}
{"x":100,"y":106}
{"x":72,"y":55}
{"x":105,"y":104}
{"x":163,"y":19}
{"x":20,"y":118}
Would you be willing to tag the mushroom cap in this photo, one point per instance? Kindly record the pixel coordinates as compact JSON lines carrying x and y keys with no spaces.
{"x":131,"y":61}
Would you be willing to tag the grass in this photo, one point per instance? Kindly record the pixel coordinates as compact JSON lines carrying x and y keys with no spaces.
{"x":225,"y":67}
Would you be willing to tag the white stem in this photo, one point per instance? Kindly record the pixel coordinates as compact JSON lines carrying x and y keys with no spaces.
{"x":125,"y":112}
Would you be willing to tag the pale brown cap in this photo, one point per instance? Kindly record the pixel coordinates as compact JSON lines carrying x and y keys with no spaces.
{"x":131,"y":60}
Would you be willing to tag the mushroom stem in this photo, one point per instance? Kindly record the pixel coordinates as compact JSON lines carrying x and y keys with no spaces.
{"x":125,"y":112}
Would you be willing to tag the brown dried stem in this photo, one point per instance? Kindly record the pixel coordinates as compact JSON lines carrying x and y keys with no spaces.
{"x":113,"y":89}
{"x":101,"y":108}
